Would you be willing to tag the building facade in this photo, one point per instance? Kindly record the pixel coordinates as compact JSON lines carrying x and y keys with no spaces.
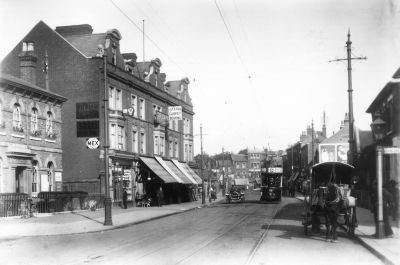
{"x":30,"y":130}
{"x":89,"y":69}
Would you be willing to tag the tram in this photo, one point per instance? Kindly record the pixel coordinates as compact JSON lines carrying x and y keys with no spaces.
{"x":271,"y":184}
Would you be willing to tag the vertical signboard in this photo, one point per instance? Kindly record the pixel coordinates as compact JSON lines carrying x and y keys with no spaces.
{"x":175,"y":113}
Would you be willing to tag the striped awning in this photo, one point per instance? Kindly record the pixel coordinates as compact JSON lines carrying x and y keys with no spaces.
{"x":192,"y":173}
{"x":157,"y":169}
{"x":177,"y":172}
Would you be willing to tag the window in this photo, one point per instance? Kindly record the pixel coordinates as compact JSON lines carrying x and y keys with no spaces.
{"x":134,"y":105}
{"x":190,"y":152}
{"x":34,"y":176}
{"x":17,"y":124}
{"x":170,"y":147}
{"x":121,"y":137}
{"x":142,"y":109}
{"x":156,"y":146}
{"x":115,"y":98}
{"x":176,"y":149}
{"x":156,"y":109}
{"x":27,"y":46}
{"x":237,"y":165}
{"x":50,"y":174}
{"x":114,"y":55}
{"x":142,"y":142}
{"x":134,"y":140}
{"x":34,"y":121}
{"x":49,"y":124}
{"x":162,"y":145}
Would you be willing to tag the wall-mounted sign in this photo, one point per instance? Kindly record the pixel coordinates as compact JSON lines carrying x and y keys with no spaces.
{"x":128,"y":111}
{"x":87,"y":110}
{"x":175,"y":113}
{"x":161,"y":118}
{"x":391,"y":150}
{"x":92,"y":143}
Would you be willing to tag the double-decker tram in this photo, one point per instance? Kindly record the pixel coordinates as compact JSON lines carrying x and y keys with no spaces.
{"x":271,"y":184}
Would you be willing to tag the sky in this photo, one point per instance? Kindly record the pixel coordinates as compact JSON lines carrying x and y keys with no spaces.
{"x":259,"y":70}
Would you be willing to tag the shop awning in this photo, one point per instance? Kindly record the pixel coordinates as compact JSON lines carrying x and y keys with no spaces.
{"x":192,"y":173}
{"x":157,"y":169}
{"x":184,"y":171}
{"x":164,"y":165}
{"x":178,"y":172}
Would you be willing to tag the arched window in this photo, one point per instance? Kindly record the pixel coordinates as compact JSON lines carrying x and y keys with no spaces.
{"x":49,"y":124}
{"x":34,"y":120}
{"x":34,"y":176}
{"x":17,"y":124}
{"x":50,"y":175}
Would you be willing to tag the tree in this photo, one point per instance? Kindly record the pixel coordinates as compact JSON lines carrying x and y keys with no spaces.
{"x":243,"y":152}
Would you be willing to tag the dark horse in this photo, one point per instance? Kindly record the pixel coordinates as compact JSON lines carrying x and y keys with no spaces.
{"x":333,"y":205}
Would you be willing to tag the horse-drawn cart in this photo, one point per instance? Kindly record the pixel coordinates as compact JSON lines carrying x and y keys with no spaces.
{"x":328,"y":199}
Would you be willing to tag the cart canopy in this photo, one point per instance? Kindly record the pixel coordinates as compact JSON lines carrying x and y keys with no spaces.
{"x":335,"y":172}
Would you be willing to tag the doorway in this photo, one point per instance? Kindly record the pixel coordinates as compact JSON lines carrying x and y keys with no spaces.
{"x":20,"y":185}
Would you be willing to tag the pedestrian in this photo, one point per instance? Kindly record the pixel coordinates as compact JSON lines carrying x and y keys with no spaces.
{"x":160,"y":197}
{"x":393,"y":189}
{"x":387,"y":201}
{"x":291,"y":189}
{"x":124,"y":199}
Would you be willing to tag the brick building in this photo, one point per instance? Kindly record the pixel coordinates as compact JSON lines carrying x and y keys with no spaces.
{"x":30,"y":129}
{"x":76,"y":63}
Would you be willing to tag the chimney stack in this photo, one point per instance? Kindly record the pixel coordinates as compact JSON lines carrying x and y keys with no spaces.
{"x":27,"y":62}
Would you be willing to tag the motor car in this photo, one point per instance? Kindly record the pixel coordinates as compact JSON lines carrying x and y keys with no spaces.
{"x":236,"y":193}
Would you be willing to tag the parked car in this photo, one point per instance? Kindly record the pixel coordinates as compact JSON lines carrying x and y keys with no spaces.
{"x":236,"y":193}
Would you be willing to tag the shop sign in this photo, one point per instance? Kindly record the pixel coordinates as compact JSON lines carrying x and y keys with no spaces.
{"x":391,"y":150}
{"x":58,"y":176}
{"x":175,"y":113}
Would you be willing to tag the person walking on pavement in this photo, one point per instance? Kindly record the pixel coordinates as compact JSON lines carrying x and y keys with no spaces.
{"x":124,"y":199}
{"x":387,"y":201}
{"x":160,"y":197}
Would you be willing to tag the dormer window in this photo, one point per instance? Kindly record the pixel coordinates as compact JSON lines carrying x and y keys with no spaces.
{"x":27,"y":46}
{"x":114,"y":55}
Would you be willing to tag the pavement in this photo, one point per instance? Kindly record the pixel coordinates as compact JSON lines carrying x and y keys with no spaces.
{"x":386,"y":249}
{"x":78,"y":222}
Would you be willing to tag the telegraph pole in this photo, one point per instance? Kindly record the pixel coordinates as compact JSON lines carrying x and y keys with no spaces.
{"x":350,"y":93}
{"x":312,"y":142}
{"x":223,"y":170}
{"x":203,"y":192}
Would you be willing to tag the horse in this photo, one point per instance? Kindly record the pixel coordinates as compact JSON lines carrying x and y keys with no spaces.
{"x":333,"y":206}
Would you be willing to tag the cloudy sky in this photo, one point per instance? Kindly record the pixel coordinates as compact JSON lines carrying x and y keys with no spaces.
{"x":259,"y":70}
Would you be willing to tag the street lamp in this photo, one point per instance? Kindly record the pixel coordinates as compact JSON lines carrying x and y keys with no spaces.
{"x":102,"y":53}
{"x":378,"y":127}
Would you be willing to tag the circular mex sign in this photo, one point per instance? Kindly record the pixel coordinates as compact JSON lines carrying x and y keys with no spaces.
{"x":92,"y":143}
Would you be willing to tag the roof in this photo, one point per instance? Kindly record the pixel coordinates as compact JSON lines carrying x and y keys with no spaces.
{"x":88,"y":43}
{"x":342,"y":136}
{"x":384,"y":93}
{"x":239,"y":158}
{"x":18,"y":82}
{"x":255,"y":151}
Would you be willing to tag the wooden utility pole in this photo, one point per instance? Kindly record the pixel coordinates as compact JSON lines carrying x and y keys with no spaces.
{"x":203,"y":192}
{"x":350,"y":93}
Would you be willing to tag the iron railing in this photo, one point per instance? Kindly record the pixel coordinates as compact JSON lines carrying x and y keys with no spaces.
{"x":20,"y":204}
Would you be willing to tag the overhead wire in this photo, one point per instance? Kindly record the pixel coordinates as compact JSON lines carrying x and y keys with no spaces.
{"x":148,"y":37}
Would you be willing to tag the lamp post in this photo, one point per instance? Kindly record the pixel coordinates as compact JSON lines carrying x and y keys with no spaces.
{"x":107,"y":200}
{"x":378,"y":128}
